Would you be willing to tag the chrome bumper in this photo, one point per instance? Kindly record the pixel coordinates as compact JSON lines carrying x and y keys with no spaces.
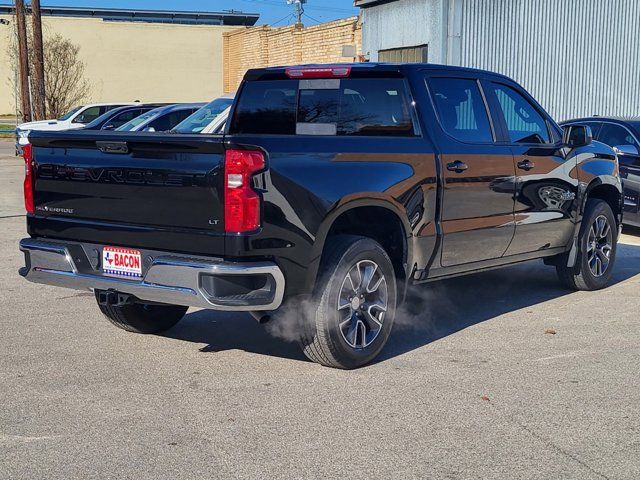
{"x":170,"y":278}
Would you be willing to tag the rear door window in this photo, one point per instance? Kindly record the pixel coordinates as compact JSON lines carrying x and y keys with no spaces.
{"x":461,"y":109}
{"x":344,"y":107}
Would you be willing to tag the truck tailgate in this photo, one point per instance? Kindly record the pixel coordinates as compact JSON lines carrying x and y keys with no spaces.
{"x":112,"y":188}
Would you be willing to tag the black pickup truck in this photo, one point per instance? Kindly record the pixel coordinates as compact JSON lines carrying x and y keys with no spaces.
{"x":340,"y":185}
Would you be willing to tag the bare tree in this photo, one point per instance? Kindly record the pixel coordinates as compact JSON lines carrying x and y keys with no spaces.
{"x":65,"y":85}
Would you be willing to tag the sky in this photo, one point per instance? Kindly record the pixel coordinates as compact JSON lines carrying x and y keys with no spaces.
{"x":273,"y":12}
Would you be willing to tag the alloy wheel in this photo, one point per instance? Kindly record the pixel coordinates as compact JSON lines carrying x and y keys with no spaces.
{"x":599,"y":246}
{"x":362,"y":304}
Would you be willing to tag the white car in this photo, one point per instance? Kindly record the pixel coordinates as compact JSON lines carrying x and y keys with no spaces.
{"x":209,"y":119}
{"x":76,"y":118}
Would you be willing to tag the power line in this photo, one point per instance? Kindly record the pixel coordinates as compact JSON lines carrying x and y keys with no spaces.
{"x":283,"y":18}
{"x":311,"y":18}
{"x":313,"y":7}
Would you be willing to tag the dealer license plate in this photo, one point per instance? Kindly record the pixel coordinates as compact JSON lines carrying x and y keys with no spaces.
{"x":121,"y":262}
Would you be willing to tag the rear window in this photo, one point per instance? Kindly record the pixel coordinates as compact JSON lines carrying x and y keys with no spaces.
{"x":354,"y":106}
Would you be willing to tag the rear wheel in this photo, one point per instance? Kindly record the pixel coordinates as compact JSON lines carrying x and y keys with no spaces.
{"x":355,"y":304}
{"x":597,"y":246}
{"x":143,"y":317}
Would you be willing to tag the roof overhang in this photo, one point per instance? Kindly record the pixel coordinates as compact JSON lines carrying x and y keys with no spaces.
{"x":231,"y":17}
{"x":370,"y":3}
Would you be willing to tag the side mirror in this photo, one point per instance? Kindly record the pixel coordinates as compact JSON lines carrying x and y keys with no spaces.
{"x":109,"y":126}
{"x":577,"y":136}
{"x":149,"y":129}
{"x":630,"y":150}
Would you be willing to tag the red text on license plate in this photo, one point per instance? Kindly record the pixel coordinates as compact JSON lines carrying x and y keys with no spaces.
{"x":124,"y":262}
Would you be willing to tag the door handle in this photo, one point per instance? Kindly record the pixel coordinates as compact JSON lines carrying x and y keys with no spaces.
{"x":457,"y":166}
{"x":526,"y":164}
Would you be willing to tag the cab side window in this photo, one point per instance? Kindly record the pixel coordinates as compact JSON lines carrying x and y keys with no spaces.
{"x":122,"y":118}
{"x":616,"y":135}
{"x":89,"y":115}
{"x":169,"y":120}
{"x":524,"y":123}
{"x":461,"y":109}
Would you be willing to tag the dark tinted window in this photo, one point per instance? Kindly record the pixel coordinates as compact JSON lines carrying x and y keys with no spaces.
{"x":595,"y":128}
{"x":524,"y":123}
{"x":616,"y":135}
{"x":122,"y":118}
{"x":267,"y":107}
{"x":461,"y":109}
{"x":324,"y":107}
{"x":169,"y":120}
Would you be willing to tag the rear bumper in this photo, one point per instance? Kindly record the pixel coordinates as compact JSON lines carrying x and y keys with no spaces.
{"x":168,"y":278}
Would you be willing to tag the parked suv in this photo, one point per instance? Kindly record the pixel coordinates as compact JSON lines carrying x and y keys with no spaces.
{"x":333,"y":189}
{"x":622,"y":135}
{"x":77,"y":117}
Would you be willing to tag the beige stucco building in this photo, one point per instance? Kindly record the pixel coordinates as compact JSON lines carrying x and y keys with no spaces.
{"x":131,"y":55}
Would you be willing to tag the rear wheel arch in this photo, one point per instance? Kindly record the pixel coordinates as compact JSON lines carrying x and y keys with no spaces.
{"x":379,"y":220}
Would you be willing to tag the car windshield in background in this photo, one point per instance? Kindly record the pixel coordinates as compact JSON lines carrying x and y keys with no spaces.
{"x":197,"y":121}
{"x":131,"y":124}
{"x":69,"y":114}
{"x":354,"y":106}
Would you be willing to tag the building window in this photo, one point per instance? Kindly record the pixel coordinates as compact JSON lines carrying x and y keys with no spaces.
{"x":418,"y":54}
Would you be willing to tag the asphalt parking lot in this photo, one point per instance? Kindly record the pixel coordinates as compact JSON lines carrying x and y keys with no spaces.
{"x":500,"y":375}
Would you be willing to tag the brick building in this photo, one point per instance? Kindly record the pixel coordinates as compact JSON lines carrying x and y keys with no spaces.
{"x":332,"y":42}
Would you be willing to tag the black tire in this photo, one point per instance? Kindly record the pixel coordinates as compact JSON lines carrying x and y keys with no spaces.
{"x":325,"y":342}
{"x":143,"y":318}
{"x":581,"y":276}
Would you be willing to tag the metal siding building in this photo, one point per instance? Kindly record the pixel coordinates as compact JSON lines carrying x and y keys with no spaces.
{"x":576,"y":57}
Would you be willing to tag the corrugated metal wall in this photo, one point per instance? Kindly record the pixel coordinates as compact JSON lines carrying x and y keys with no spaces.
{"x":576,"y":57}
{"x":404,"y":23}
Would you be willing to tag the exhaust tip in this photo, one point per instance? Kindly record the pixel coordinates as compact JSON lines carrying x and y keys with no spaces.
{"x":261,"y":317}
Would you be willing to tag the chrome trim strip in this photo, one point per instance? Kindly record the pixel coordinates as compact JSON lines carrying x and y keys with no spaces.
{"x":170,"y":279}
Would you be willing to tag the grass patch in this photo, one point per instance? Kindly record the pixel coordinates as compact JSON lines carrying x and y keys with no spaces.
{"x":4,"y":127}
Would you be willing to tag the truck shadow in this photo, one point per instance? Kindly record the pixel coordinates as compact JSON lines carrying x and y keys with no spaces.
{"x":431,"y":312}
{"x":221,"y":331}
{"x":440,"y":309}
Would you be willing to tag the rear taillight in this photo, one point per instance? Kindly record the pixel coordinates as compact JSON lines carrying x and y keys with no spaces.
{"x":27,"y":154}
{"x":318,"y":72}
{"x":241,"y":202}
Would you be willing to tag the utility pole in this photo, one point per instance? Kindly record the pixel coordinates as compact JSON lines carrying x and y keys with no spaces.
{"x":23,"y":59}
{"x":299,"y":10}
{"x":39,"y":106}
